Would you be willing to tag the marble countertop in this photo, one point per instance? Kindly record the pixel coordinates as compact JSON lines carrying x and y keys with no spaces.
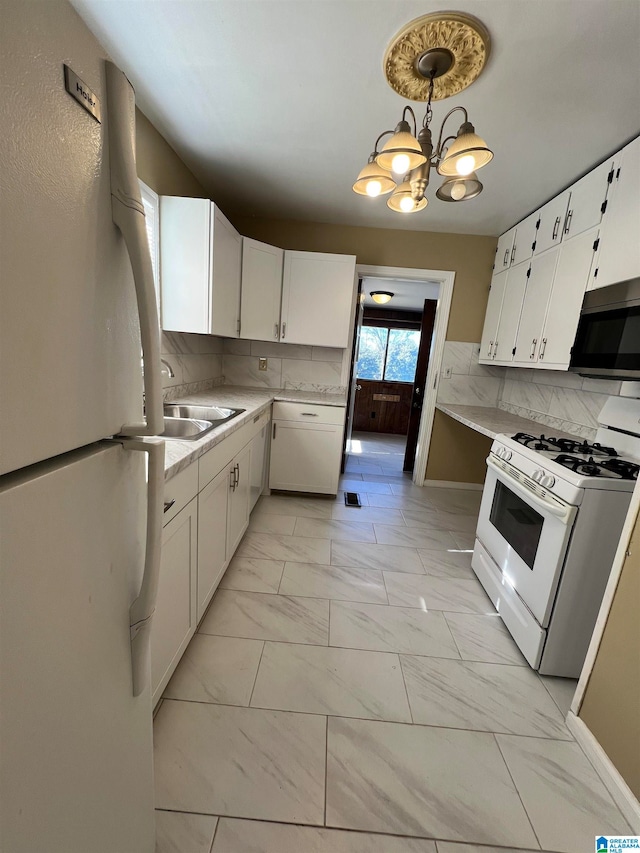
{"x":491,"y":421}
{"x":178,"y":455}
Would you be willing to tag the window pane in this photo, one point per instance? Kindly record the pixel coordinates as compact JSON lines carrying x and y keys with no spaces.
{"x":402,"y":355}
{"x":373,"y":343}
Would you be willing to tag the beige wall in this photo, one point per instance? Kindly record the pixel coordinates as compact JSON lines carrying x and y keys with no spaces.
{"x":611,"y":704}
{"x":159,"y":166}
{"x":457,"y":452}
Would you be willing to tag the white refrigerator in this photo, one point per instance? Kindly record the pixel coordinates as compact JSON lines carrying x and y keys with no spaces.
{"x":80,"y":491}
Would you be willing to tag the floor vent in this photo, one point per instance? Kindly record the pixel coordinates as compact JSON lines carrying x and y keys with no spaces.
{"x":352,"y":499}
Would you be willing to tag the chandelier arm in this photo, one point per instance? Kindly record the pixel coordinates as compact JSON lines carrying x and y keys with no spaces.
{"x":437,"y":157}
{"x":413,"y":116}
{"x":439,"y":146}
{"x":384,"y":133}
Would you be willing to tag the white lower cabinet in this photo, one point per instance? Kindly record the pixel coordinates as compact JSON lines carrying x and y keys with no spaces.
{"x":238,"y":503}
{"x":259,"y":457}
{"x":306,"y":447}
{"x":174,"y":620}
{"x":212,"y":537}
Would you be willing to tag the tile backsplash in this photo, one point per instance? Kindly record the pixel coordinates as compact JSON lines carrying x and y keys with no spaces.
{"x":292,"y":366}
{"x":195,"y":360}
{"x":554,"y":398}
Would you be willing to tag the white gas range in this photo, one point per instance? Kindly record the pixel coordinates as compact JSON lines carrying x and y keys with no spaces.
{"x":550,"y":520}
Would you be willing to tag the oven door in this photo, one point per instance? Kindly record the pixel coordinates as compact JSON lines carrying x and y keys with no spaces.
{"x":526,"y":530}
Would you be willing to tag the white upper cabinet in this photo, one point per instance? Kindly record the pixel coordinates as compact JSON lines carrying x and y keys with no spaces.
{"x":226,"y":257}
{"x":504,"y":251}
{"x":317,"y":298}
{"x":619,"y":248}
{"x":200,"y":258}
{"x":563,"y":310}
{"x":525,"y":238}
{"x":552,"y":221}
{"x":261,"y":291}
{"x":588,"y":200}
{"x":536,"y":297}
{"x":510,"y":315}
{"x":492,"y":317}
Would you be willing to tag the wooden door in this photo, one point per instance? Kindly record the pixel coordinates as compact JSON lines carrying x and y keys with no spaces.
{"x":382,"y":406}
{"x":426,"y":333}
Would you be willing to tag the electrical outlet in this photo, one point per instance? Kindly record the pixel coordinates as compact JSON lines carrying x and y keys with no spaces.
{"x":446,"y":373}
{"x":262,"y":364}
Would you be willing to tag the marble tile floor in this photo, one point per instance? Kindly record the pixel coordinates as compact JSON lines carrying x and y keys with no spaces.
{"x":352,"y":690}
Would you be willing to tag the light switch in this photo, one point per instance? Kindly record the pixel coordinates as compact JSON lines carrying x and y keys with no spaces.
{"x":262,"y":364}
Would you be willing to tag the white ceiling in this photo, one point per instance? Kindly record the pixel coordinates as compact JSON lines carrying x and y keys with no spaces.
{"x":275,"y":104}
{"x":408,"y":295}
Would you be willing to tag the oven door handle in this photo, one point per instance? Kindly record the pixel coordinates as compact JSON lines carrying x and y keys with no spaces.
{"x":564,"y":513}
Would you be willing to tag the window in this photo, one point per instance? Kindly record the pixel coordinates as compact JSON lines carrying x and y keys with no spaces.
{"x":389,"y":354}
{"x":151,"y":204}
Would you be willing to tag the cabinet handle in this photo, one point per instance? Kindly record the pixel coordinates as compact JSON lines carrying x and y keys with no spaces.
{"x":168,"y":505}
{"x":309,"y":414}
{"x":504,"y":260}
{"x":555,"y":228}
{"x":238,"y":474}
{"x":495,"y":349}
{"x":513,"y":252}
{"x":534,"y":342}
{"x":232,"y":479}
{"x":275,"y":331}
{"x":490,"y":348}
{"x":543,"y":348}
{"x":284,"y":329}
{"x":274,"y":429}
{"x":567,"y":224}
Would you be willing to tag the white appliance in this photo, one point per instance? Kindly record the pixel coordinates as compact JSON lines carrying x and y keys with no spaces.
{"x":550,"y":520}
{"x":80,"y":510}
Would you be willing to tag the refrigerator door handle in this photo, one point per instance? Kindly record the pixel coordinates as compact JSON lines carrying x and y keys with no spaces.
{"x":142,"y":609}
{"x":128,"y":214}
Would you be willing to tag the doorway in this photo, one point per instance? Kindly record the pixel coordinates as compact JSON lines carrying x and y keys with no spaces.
{"x":397,"y":348}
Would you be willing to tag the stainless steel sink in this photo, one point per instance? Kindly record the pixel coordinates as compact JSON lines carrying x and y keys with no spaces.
{"x":186,"y":429}
{"x":215,"y":414}
{"x":188,"y":423}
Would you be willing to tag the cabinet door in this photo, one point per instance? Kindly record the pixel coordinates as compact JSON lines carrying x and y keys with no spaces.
{"x":511,"y":308}
{"x":317,"y":298}
{"x":239,"y":494}
{"x":226,"y":260}
{"x":184,"y":263}
{"x":534,"y":307}
{"x":212,"y":537}
{"x":492,"y":316}
{"x":619,"y":252}
{"x":305,"y":457}
{"x":552,"y":221}
{"x":258,"y":467}
{"x":525,"y":238}
{"x":504,"y":250}
{"x":563,"y":312}
{"x":174,"y":621}
{"x":261,"y":291}
{"x":587,"y":200}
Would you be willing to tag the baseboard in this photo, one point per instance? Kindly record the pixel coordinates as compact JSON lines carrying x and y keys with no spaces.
{"x":621,"y":793}
{"x":451,"y":484}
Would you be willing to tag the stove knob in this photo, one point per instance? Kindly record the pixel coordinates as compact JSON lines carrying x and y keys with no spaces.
{"x":506,"y":454}
{"x":537,"y":475}
{"x":547,"y":481}
{"x":499,"y":451}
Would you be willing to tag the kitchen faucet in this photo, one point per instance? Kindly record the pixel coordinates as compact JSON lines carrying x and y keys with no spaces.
{"x":169,"y":370}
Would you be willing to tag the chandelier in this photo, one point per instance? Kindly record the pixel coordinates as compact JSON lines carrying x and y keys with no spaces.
{"x":434,"y":57}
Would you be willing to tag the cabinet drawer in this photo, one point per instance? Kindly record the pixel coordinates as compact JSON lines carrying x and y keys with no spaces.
{"x":179,"y":491}
{"x":214,"y":460}
{"x":307,"y":413}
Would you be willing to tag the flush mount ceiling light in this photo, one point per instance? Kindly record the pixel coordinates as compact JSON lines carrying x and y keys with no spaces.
{"x":432,"y":58}
{"x":382,"y":296}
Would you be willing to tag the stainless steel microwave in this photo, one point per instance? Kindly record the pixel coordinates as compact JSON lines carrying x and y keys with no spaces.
{"x":607,"y":344}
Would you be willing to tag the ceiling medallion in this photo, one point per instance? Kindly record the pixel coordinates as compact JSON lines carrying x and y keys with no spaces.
{"x":408,"y":59}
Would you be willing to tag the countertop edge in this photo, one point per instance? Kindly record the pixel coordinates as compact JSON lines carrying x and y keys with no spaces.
{"x":492,"y":422}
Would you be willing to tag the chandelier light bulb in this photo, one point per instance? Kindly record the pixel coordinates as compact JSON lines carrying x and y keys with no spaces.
{"x":407,"y":204}
{"x":374,"y":188}
{"x":466,"y":164}
{"x":400,"y":164}
{"x":458,"y":191}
